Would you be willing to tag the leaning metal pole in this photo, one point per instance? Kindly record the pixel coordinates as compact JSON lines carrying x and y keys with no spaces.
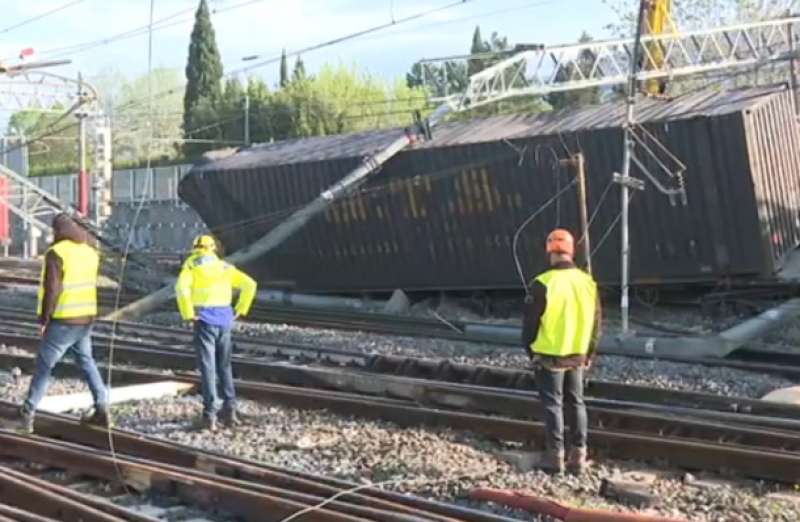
{"x":293,"y":223}
{"x":625,"y":179}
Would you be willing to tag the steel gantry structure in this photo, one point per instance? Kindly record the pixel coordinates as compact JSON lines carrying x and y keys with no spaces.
{"x":672,"y":54}
{"x":23,"y":87}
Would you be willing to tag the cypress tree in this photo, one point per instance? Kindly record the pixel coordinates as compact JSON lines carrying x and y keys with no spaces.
{"x":478,"y":46}
{"x":284,"y":70}
{"x":299,"y":72}
{"x":203,"y":79}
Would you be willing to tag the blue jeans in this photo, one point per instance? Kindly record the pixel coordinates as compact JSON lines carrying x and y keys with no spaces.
{"x":60,"y":338}
{"x":213,"y":347}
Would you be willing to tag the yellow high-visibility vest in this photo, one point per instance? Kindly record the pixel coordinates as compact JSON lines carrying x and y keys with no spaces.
{"x":206,"y":281}
{"x":566,"y":325}
{"x":80,"y":264}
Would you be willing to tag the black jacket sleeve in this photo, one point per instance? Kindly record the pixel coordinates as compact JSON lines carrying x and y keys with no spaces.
{"x":597,"y":330}
{"x":535,"y":305}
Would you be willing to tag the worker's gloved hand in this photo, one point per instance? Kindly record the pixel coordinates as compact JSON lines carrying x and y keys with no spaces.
{"x":43,"y":329}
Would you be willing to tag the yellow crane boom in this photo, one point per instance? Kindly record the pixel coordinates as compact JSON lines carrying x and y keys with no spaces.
{"x":658,"y":21}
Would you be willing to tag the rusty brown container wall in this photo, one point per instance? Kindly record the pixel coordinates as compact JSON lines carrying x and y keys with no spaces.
{"x":441,"y":215}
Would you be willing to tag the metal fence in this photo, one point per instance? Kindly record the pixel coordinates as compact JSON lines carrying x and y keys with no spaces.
{"x":155,"y":184}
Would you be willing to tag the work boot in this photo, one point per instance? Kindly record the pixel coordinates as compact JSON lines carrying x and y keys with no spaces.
{"x":26,"y":421}
{"x":230,"y":419}
{"x":552,"y":462}
{"x":577,"y":461}
{"x":100,"y":418}
{"x":206,"y":422}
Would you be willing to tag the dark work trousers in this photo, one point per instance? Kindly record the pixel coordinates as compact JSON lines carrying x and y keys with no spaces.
{"x":213,"y":347}
{"x":560,"y":390}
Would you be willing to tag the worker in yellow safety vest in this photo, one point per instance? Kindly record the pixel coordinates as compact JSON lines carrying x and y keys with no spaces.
{"x":561,"y":328}
{"x":205,"y":292}
{"x":67,"y":306}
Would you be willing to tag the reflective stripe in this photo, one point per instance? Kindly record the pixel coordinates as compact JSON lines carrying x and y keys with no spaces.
{"x":72,"y":306}
{"x":78,"y":286}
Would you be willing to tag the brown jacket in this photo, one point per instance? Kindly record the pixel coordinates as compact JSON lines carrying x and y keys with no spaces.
{"x":63,"y":228}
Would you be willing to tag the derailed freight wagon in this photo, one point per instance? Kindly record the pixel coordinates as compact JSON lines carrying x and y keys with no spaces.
{"x":442,"y":214}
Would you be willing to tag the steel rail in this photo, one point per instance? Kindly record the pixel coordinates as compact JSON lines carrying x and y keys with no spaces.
{"x":756,"y":360}
{"x":741,"y":444}
{"x":212,"y":492}
{"x":167,"y":452}
{"x":174,"y":350}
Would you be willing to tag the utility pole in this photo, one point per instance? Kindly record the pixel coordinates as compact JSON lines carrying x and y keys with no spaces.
{"x":578,"y":162}
{"x":83,"y":175}
{"x":246,"y":118}
{"x":625,"y":180}
{"x":583,"y":208}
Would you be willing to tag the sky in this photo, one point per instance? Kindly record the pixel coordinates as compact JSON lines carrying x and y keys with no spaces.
{"x":265,"y":27}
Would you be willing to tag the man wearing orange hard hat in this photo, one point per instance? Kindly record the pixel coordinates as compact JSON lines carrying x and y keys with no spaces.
{"x":561,"y":328}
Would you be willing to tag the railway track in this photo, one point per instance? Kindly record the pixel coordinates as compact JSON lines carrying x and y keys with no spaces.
{"x":66,"y":472}
{"x":759,"y":360}
{"x":692,"y":431}
{"x":143,"y":343}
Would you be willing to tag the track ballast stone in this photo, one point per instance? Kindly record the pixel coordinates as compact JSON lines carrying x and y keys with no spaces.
{"x":436,"y":463}
{"x":646,"y":372}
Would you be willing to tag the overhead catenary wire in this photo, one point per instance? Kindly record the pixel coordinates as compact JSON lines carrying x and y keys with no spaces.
{"x":477,"y":16}
{"x":177,"y":89}
{"x":610,"y":229}
{"x":525,"y":223}
{"x":158,"y":25}
{"x":351,"y":36}
{"x":127,"y":248}
{"x":40,"y":16}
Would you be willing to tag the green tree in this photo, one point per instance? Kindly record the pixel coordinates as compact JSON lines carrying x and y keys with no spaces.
{"x":299,"y":72}
{"x":479,"y":46}
{"x":284,"y":80}
{"x":439,"y":80}
{"x":203,"y":84}
{"x":338,"y":99}
{"x":262,"y":120}
{"x":230,"y":112}
{"x":55,"y":145}
{"x":134,"y":121}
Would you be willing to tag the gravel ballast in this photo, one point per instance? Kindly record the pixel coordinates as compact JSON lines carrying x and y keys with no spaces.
{"x":645,"y":372}
{"x":435,"y":463}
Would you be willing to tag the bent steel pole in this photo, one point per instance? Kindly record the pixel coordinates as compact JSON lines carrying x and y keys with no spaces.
{"x":293,"y":223}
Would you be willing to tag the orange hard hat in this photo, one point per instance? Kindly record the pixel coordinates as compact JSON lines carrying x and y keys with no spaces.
{"x":560,"y":241}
